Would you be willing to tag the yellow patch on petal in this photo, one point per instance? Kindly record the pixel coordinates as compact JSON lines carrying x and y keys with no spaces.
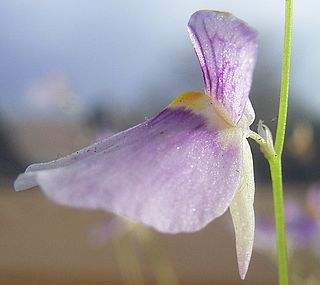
{"x":201,"y":104}
{"x":195,"y":101}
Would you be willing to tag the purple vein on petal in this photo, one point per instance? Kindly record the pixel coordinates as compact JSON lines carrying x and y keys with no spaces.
{"x":202,"y":60}
{"x":226,"y":48}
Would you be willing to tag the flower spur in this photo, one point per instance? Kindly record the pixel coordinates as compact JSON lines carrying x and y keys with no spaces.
{"x":186,"y":166}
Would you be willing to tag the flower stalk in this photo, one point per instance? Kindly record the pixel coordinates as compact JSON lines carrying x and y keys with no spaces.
{"x":161,"y":267}
{"x":275,"y":161}
{"x":128,"y":262}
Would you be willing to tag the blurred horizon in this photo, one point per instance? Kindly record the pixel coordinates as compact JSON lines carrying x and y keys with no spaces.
{"x":73,"y":70}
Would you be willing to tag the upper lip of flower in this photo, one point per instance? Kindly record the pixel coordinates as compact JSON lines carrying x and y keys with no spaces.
{"x":226,"y":48}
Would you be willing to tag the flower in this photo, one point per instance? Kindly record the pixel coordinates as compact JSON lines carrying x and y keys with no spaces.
{"x":186,"y":166}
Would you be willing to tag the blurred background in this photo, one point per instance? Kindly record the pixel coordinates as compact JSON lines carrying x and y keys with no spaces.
{"x":72,"y":72}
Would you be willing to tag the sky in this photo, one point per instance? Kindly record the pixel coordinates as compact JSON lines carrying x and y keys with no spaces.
{"x":136,"y":52}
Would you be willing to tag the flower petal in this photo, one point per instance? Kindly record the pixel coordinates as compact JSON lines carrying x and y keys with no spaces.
{"x":226,"y":48}
{"x":242,"y":212}
{"x":175,"y":172}
{"x":247,"y":118}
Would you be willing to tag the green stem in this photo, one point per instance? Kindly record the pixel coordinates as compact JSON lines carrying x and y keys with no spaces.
{"x":276,"y":175}
{"x":284,"y":92}
{"x":275,"y":161}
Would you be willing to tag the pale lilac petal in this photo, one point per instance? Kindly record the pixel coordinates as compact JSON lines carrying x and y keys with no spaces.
{"x":226,"y":48}
{"x":30,"y":180}
{"x":247,"y":118}
{"x":175,"y":172}
{"x":242,"y":212}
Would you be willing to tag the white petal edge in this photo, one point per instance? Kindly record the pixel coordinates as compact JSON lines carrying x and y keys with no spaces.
{"x":242,"y":212}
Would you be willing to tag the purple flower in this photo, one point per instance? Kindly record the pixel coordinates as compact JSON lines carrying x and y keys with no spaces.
{"x":186,"y":166}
